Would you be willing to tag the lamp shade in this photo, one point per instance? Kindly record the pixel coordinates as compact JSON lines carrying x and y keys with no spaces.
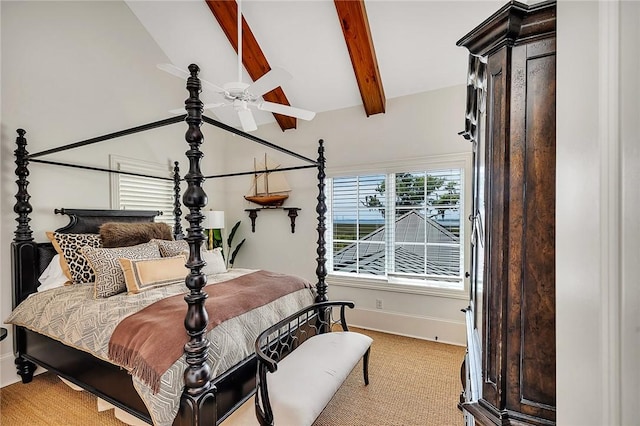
{"x":213,"y":219}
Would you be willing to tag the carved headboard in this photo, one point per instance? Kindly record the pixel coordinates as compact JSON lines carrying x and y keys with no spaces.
{"x":89,"y":221}
{"x":29,"y":259}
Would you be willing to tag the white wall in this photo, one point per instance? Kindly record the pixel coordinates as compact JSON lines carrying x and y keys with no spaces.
{"x":578,"y":319}
{"x":413,"y":126}
{"x":630,"y":176}
{"x":597,"y":296}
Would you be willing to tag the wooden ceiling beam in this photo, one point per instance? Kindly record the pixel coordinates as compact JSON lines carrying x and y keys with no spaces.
{"x":357,"y":35}
{"x":256,"y":64}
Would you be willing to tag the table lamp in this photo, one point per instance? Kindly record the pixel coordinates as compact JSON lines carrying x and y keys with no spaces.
{"x":214,"y":223}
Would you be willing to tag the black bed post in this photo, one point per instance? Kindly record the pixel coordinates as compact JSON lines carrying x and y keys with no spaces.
{"x":22,"y":207}
{"x":321,"y":209}
{"x":24,"y":252}
{"x":197,"y":405}
{"x":177,"y":211}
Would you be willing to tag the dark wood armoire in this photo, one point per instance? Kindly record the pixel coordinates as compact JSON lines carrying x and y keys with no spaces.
{"x":510,"y":369}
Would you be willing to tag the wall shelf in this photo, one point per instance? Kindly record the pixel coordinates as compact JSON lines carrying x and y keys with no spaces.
{"x":292,"y":212}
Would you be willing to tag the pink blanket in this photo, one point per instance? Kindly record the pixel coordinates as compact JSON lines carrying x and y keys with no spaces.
{"x":151,"y":340}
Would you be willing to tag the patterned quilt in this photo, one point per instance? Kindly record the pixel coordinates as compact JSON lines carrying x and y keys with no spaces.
{"x":72,"y":315}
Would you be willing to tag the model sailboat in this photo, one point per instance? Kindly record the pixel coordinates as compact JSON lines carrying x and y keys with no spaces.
{"x":269,"y":187}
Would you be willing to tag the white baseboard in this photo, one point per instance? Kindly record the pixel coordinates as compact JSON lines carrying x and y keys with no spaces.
{"x":435,"y":329}
{"x":8,"y":372}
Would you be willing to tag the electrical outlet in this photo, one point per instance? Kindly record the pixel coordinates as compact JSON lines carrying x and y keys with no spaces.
{"x":378,"y":303}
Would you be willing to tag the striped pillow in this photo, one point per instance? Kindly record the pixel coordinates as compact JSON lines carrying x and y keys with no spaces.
{"x":145,"y":274}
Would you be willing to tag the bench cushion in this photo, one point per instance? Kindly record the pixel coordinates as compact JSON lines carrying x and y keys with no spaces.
{"x":307,"y":379}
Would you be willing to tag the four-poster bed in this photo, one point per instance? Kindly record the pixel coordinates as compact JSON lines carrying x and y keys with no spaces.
{"x":204,"y":398}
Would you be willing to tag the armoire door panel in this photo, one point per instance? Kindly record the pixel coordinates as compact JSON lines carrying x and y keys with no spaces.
{"x":538,"y":280}
{"x":531,"y":312}
{"x":516,"y":194}
{"x":495,"y":280}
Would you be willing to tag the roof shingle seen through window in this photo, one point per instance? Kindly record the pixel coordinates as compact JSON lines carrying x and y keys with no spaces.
{"x":410,"y":230}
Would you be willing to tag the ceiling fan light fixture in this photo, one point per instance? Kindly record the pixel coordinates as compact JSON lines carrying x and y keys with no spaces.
{"x":236,"y":90}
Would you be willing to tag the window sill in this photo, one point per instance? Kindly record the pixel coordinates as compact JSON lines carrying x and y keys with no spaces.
{"x":383,"y":284}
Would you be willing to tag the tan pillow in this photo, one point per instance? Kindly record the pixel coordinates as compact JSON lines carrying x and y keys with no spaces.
{"x":145,"y":274}
{"x":74,"y":265}
{"x":122,"y":234}
{"x":109,"y":275}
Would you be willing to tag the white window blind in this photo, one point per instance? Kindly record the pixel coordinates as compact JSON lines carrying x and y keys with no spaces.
{"x":402,"y":225}
{"x":358,"y":229}
{"x":132,"y":192}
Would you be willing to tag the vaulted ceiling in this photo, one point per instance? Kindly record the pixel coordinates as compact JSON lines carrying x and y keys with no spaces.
{"x":341,"y":53}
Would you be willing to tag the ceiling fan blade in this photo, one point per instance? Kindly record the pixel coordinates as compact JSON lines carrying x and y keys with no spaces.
{"x":269,"y":81}
{"x":213,"y":105}
{"x":246,"y":120}
{"x":180,"y":73}
{"x":286,"y":110}
{"x":178,"y":111}
{"x":173,"y":70}
{"x":212,"y":87}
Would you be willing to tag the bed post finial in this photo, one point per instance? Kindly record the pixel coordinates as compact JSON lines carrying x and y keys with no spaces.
{"x":22,"y":207}
{"x":177,"y":211}
{"x":197,"y":397}
{"x":321,"y":209}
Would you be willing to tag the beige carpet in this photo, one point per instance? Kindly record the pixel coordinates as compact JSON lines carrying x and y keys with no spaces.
{"x":412,"y":382}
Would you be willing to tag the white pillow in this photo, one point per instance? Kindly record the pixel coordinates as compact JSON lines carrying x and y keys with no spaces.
{"x":215,"y":261}
{"x":53,"y":276}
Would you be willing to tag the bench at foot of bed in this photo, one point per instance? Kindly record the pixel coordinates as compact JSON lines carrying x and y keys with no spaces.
{"x":294,"y":388}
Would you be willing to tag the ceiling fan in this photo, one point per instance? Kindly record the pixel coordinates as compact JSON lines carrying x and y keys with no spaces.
{"x":243,"y":96}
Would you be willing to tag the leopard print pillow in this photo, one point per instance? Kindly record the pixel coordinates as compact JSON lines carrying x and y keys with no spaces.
{"x":74,"y":264}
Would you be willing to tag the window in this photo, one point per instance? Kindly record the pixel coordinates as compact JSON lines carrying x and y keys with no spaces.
{"x":404,"y":225}
{"x":134,"y":192}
